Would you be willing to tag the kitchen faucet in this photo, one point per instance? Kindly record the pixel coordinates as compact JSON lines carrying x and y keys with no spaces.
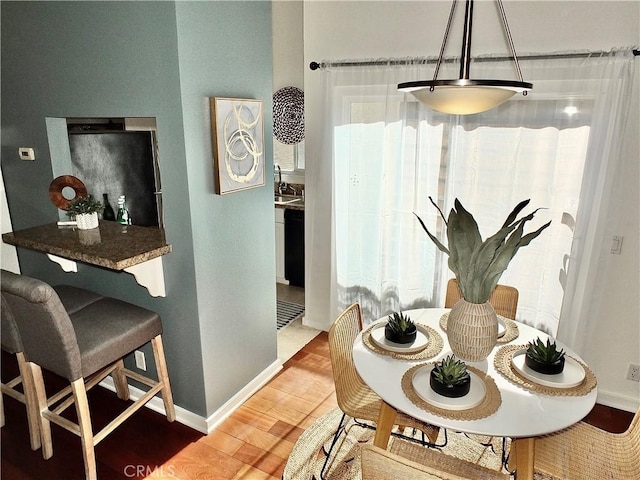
{"x":282,"y":186}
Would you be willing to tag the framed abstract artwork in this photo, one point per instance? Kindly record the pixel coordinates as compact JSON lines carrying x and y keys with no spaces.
{"x":237,"y":131}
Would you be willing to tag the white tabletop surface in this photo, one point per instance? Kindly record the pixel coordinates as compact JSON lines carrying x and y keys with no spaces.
{"x":522,"y":413}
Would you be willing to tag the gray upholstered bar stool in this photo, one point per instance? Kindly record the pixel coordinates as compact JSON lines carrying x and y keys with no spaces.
{"x":12,"y":343}
{"x":83,"y":337}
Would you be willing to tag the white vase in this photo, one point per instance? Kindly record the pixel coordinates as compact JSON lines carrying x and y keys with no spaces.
{"x":472,"y":330}
{"x":87,"y":221}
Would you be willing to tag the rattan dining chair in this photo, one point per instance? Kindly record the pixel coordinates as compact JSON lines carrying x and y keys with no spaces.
{"x":82,"y":337}
{"x":585,"y":452}
{"x":354,"y":397}
{"x":504,"y":298}
{"x":408,"y":461}
{"x":12,"y":343}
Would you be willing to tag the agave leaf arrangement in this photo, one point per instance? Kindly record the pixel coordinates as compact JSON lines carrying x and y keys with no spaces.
{"x":546,"y":354}
{"x":479,"y":264}
{"x":450,"y":371}
{"x":400,"y":323}
{"x":82,"y":205}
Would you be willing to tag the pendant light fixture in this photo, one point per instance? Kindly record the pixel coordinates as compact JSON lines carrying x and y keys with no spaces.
{"x":465,"y":96}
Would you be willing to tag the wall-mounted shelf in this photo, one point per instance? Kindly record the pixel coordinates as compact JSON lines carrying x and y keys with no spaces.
{"x":133,"y":249}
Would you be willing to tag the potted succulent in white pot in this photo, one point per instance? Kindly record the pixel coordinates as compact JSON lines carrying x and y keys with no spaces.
{"x":472,"y":327}
{"x":85,"y":211}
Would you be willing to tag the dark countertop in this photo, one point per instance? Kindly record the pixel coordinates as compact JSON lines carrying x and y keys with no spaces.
{"x":111,"y":245}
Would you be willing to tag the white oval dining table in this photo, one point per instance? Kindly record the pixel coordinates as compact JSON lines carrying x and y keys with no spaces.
{"x":523,"y":414}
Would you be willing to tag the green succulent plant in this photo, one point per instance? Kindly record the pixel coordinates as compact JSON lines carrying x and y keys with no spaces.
{"x":546,"y":354}
{"x":82,"y":205}
{"x":479,"y":264}
{"x":400,"y":323}
{"x":450,"y":371}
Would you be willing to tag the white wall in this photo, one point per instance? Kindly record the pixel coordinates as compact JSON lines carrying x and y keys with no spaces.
{"x":288,"y":51}
{"x":360,"y":29}
{"x":288,"y":71}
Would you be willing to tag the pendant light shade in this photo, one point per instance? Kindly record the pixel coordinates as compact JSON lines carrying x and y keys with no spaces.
{"x":464,"y":96}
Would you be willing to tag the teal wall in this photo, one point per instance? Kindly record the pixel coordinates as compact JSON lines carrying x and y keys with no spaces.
{"x":156,"y":59}
{"x":224,"y":50}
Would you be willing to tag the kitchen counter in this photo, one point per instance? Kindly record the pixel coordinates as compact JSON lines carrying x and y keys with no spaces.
{"x":111,"y":245}
{"x":292,"y":202}
{"x":289,"y":206}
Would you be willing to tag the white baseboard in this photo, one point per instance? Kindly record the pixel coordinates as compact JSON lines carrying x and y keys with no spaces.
{"x":618,"y":401}
{"x":317,"y":325}
{"x":239,"y":398}
{"x":197,"y":422}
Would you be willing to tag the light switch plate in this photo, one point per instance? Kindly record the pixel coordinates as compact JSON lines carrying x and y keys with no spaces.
{"x":616,"y":245}
{"x":26,"y":153}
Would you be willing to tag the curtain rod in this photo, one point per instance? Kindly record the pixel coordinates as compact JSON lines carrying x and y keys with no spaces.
{"x":424,"y":60}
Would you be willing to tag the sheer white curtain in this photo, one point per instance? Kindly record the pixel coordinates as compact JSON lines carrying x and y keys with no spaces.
{"x":384,"y":154}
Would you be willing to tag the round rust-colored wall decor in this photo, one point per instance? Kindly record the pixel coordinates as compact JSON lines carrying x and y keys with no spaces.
{"x":59,"y":184}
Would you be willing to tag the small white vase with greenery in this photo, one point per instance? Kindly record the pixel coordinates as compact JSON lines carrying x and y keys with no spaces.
{"x":85,"y":212}
{"x":478,"y":265}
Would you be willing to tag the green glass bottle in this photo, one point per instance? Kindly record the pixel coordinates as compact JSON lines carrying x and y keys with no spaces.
{"x":123,"y":213}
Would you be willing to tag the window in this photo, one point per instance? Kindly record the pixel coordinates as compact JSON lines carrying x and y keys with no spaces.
{"x":389,"y":161}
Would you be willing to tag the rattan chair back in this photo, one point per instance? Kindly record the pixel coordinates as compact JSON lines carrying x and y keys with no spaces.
{"x":413,"y":462}
{"x":589,"y":453}
{"x":504,"y":298}
{"x":378,"y":464}
{"x":633,"y":434}
{"x":354,"y":397}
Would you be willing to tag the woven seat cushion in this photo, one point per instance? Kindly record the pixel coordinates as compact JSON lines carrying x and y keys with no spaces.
{"x":108,"y":329}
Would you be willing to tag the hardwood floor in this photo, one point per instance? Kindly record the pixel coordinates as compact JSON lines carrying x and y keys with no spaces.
{"x":253,"y":443}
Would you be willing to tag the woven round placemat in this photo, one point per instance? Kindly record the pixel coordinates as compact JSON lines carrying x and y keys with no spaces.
{"x":502,"y":363}
{"x":433,"y":348}
{"x":489,"y":405}
{"x":510,"y":334}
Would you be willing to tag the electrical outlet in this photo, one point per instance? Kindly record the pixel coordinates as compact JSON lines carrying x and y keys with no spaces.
{"x":633,"y":373}
{"x":141,"y":363}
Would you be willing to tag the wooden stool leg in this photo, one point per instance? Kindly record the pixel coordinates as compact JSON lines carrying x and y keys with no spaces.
{"x":30,"y":402}
{"x":120,"y":381}
{"x":86,"y":431}
{"x":41,"y":398}
{"x":163,"y":377}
